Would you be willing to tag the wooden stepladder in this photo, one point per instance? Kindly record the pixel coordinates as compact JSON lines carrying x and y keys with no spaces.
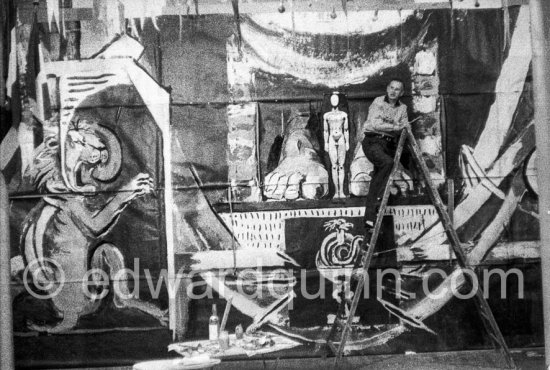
{"x":367,"y":252}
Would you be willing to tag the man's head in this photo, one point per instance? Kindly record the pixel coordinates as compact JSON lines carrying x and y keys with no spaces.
{"x":395,"y":90}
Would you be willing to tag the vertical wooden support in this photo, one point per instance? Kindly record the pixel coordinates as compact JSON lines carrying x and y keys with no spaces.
{"x":3,"y":23}
{"x":6,"y":317}
{"x":540,"y":42}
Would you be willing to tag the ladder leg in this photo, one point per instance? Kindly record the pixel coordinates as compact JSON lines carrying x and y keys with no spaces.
{"x":481,"y":304}
{"x":364,"y":262}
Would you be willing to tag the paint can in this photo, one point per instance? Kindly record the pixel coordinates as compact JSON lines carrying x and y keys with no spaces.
{"x":239,"y":332}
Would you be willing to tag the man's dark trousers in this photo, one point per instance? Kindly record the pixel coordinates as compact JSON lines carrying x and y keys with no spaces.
{"x":380,"y":151}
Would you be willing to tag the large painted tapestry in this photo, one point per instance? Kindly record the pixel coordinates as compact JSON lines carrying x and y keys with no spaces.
{"x":470,"y":94}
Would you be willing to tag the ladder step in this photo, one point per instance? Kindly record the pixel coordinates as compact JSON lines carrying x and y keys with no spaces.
{"x":332,"y":347}
{"x":342,"y":324}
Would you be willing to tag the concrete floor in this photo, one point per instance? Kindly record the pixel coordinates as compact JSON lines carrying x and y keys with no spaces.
{"x":531,"y":359}
{"x":525,"y":359}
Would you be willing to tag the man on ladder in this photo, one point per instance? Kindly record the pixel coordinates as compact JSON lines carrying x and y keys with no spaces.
{"x":386,"y":119}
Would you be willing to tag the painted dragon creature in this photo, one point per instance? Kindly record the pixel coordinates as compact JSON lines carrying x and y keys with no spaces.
{"x":63,"y":235}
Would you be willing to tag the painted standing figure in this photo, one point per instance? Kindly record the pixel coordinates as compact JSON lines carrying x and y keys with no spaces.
{"x":336,"y":135}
